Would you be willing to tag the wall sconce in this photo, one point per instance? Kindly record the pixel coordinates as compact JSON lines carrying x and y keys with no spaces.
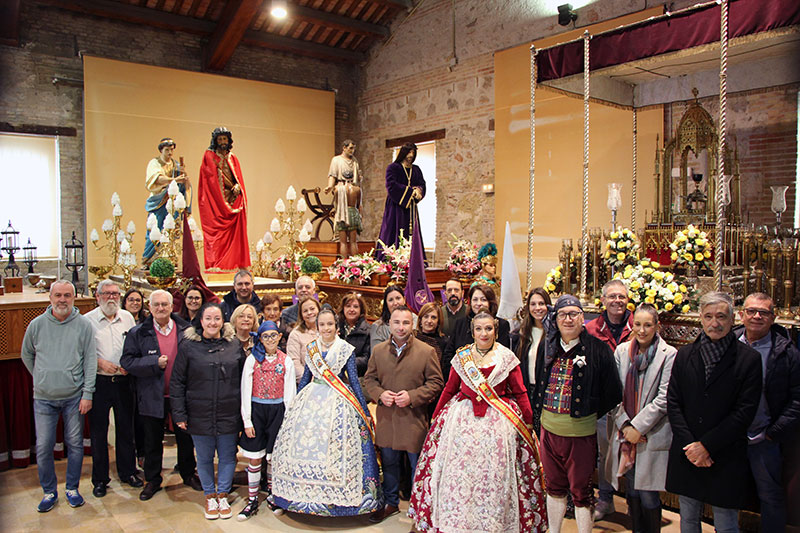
{"x":566,"y":14}
{"x":488,"y":188}
{"x":279,"y":10}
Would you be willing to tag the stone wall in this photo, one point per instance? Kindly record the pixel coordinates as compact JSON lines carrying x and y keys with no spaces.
{"x":50,"y":42}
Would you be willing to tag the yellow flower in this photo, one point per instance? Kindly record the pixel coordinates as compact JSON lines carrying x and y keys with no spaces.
{"x":686,"y":308}
{"x":614,"y":235}
{"x":678,"y":299}
{"x":688,"y":256}
{"x":621,"y":256}
{"x":698,"y":256}
{"x":648,"y":271}
{"x":635,"y":285}
{"x":682,"y":237}
{"x":631,"y":307}
{"x":551,"y":287}
{"x":700,"y":242}
{"x":597,"y":301}
{"x":707,"y":254}
{"x":683,"y":288}
{"x":608,"y":254}
{"x":655,"y":264}
{"x":668,"y":306}
{"x":674,"y":256}
{"x":658,"y":275}
{"x":649,"y":300}
{"x":651,"y":292}
{"x":644,"y":262}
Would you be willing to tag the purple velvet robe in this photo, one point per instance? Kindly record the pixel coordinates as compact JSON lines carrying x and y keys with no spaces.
{"x":399,"y":206}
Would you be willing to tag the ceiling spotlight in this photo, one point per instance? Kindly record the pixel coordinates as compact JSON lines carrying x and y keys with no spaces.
{"x":565,"y":14}
{"x":279,"y":9}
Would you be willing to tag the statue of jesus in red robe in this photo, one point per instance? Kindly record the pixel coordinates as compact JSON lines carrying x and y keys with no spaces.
{"x":222,"y":201}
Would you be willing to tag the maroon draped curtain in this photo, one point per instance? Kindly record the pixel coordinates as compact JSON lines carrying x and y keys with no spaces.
{"x":677,"y":32}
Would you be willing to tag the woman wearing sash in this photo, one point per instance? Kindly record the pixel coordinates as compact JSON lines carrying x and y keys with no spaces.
{"x":324,"y":459}
{"x":481,"y":430}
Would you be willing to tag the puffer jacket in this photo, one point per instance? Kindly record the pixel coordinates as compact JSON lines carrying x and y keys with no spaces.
{"x":205,"y":386}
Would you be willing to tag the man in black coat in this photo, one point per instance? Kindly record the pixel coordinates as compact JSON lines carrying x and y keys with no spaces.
{"x":148,"y":354}
{"x":774,"y":428}
{"x":712,"y":398}
{"x":243,"y":293}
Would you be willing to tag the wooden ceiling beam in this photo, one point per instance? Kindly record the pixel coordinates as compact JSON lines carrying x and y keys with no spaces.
{"x":396,"y":4}
{"x":135,"y":14}
{"x":235,"y":21}
{"x":287,"y":44}
{"x":339,"y":22}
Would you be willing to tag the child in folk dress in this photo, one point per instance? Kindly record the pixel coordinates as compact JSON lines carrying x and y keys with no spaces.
{"x":268,"y":388}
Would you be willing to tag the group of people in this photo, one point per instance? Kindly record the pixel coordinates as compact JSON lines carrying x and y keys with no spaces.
{"x":500,"y":428}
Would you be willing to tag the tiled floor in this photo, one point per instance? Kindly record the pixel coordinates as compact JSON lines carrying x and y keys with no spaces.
{"x":178,"y":508}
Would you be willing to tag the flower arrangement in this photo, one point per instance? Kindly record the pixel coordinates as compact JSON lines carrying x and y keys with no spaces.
{"x":311,"y":265}
{"x":552,"y":283}
{"x":397,"y":257}
{"x":355,"y":269}
{"x":691,"y":247}
{"x":647,"y":284}
{"x":463,"y":260}
{"x":622,"y":249}
{"x":284,"y":265}
{"x":162,"y":268}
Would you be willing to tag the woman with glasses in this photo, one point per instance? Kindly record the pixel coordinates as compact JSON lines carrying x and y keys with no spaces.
{"x":639,"y":430}
{"x":133,"y":302}
{"x":193,"y":300}
{"x":479,"y":467}
{"x":268,"y":388}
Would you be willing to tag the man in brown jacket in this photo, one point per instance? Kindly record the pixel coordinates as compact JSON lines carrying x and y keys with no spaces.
{"x":403,"y":377}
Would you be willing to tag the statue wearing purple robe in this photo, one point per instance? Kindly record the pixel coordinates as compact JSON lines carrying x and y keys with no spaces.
{"x":405,"y":187}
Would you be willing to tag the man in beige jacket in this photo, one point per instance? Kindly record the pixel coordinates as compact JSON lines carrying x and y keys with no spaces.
{"x":403,"y":377}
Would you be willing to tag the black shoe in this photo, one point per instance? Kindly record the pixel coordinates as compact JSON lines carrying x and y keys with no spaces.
{"x":381,"y":514}
{"x":194,"y":482}
{"x":251,"y":509}
{"x":134,"y":481}
{"x":148,"y":491}
{"x":100,"y":489}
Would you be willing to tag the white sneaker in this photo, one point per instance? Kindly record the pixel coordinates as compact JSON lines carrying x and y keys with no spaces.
{"x":603,"y":509}
{"x":211,"y":511}
{"x":224,"y":506}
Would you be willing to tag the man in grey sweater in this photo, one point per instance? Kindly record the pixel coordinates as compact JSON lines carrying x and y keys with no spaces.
{"x":59,"y":351}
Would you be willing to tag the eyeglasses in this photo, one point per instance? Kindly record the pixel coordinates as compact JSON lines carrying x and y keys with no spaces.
{"x":109,"y":294}
{"x":270,"y":336}
{"x":572,"y":315}
{"x":751,"y":312}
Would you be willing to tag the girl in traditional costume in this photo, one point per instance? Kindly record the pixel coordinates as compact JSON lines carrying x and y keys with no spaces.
{"x":479,"y":468}
{"x":324,"y":460}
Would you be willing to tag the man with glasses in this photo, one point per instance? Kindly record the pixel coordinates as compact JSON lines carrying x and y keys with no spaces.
{"x":613,"y":327}
{"x":576,"y":383}
{"x":113,"y":390}
{"x":778,"y":415}
{"x":712,"y":398}
{"x":149,"y":352}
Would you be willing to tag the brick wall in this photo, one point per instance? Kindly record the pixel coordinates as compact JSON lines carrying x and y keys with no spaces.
{"x":50,"y":41}
{"x":763,"y":124}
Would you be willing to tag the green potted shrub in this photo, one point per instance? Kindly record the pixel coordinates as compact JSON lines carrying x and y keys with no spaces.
{"x":162,"y":273}
{"x":311,"y":266}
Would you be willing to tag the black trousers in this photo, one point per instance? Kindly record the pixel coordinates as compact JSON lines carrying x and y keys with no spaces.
{"x":112,"y":392}
{"x":154,"y":448}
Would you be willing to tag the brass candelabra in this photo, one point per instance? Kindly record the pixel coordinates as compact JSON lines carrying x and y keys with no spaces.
{"x":287,"y":227}
{"x":118,"y":243}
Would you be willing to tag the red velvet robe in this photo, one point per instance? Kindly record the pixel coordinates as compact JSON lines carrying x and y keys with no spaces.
{"x":224,"y":226}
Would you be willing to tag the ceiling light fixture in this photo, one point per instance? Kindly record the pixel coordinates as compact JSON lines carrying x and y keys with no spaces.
{"x":279,"y":10}
{"x":565,"y":14}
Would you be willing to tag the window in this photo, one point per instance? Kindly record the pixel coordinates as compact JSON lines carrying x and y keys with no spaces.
{"x":31,"y":196}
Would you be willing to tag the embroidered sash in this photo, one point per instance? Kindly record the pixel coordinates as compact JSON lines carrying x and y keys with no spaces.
{"x":481,"y":384}
{"x":337,"y":384}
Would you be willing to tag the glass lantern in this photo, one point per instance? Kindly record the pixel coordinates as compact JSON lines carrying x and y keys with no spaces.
{"x":31,"y":258}
{"x":11,"y":238}
{"x":75,"y":259}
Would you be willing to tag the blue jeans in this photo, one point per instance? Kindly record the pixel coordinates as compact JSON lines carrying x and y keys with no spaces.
{"x":650,"y":498}
{"x":45,"y":418}
{"x":605,"y":488}
{"x":725,"y":520}
{"x":765,"y":463}
{"x":391,"y":473}
{"x":225,"y":447}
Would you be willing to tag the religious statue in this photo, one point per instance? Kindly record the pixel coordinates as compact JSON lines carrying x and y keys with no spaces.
{"x":344,"y":180}
{"x":487,"y":255}
{"x":223,"y":205}
{"x":161,"y":171}
{"x":405,"y":187}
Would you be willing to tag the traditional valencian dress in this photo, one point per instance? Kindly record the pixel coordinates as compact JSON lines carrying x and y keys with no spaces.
{"x":481,"y":432}
{"x":324,"y":460}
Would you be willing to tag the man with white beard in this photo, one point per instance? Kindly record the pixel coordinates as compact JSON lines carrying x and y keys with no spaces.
{"x":113,"y":391}
{"x":59,"y":352}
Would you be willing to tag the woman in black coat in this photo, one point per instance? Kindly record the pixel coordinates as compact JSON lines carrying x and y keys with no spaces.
{"x":205,"y":399}
{"x":480,"y":298}
{"x":353,"y":328}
